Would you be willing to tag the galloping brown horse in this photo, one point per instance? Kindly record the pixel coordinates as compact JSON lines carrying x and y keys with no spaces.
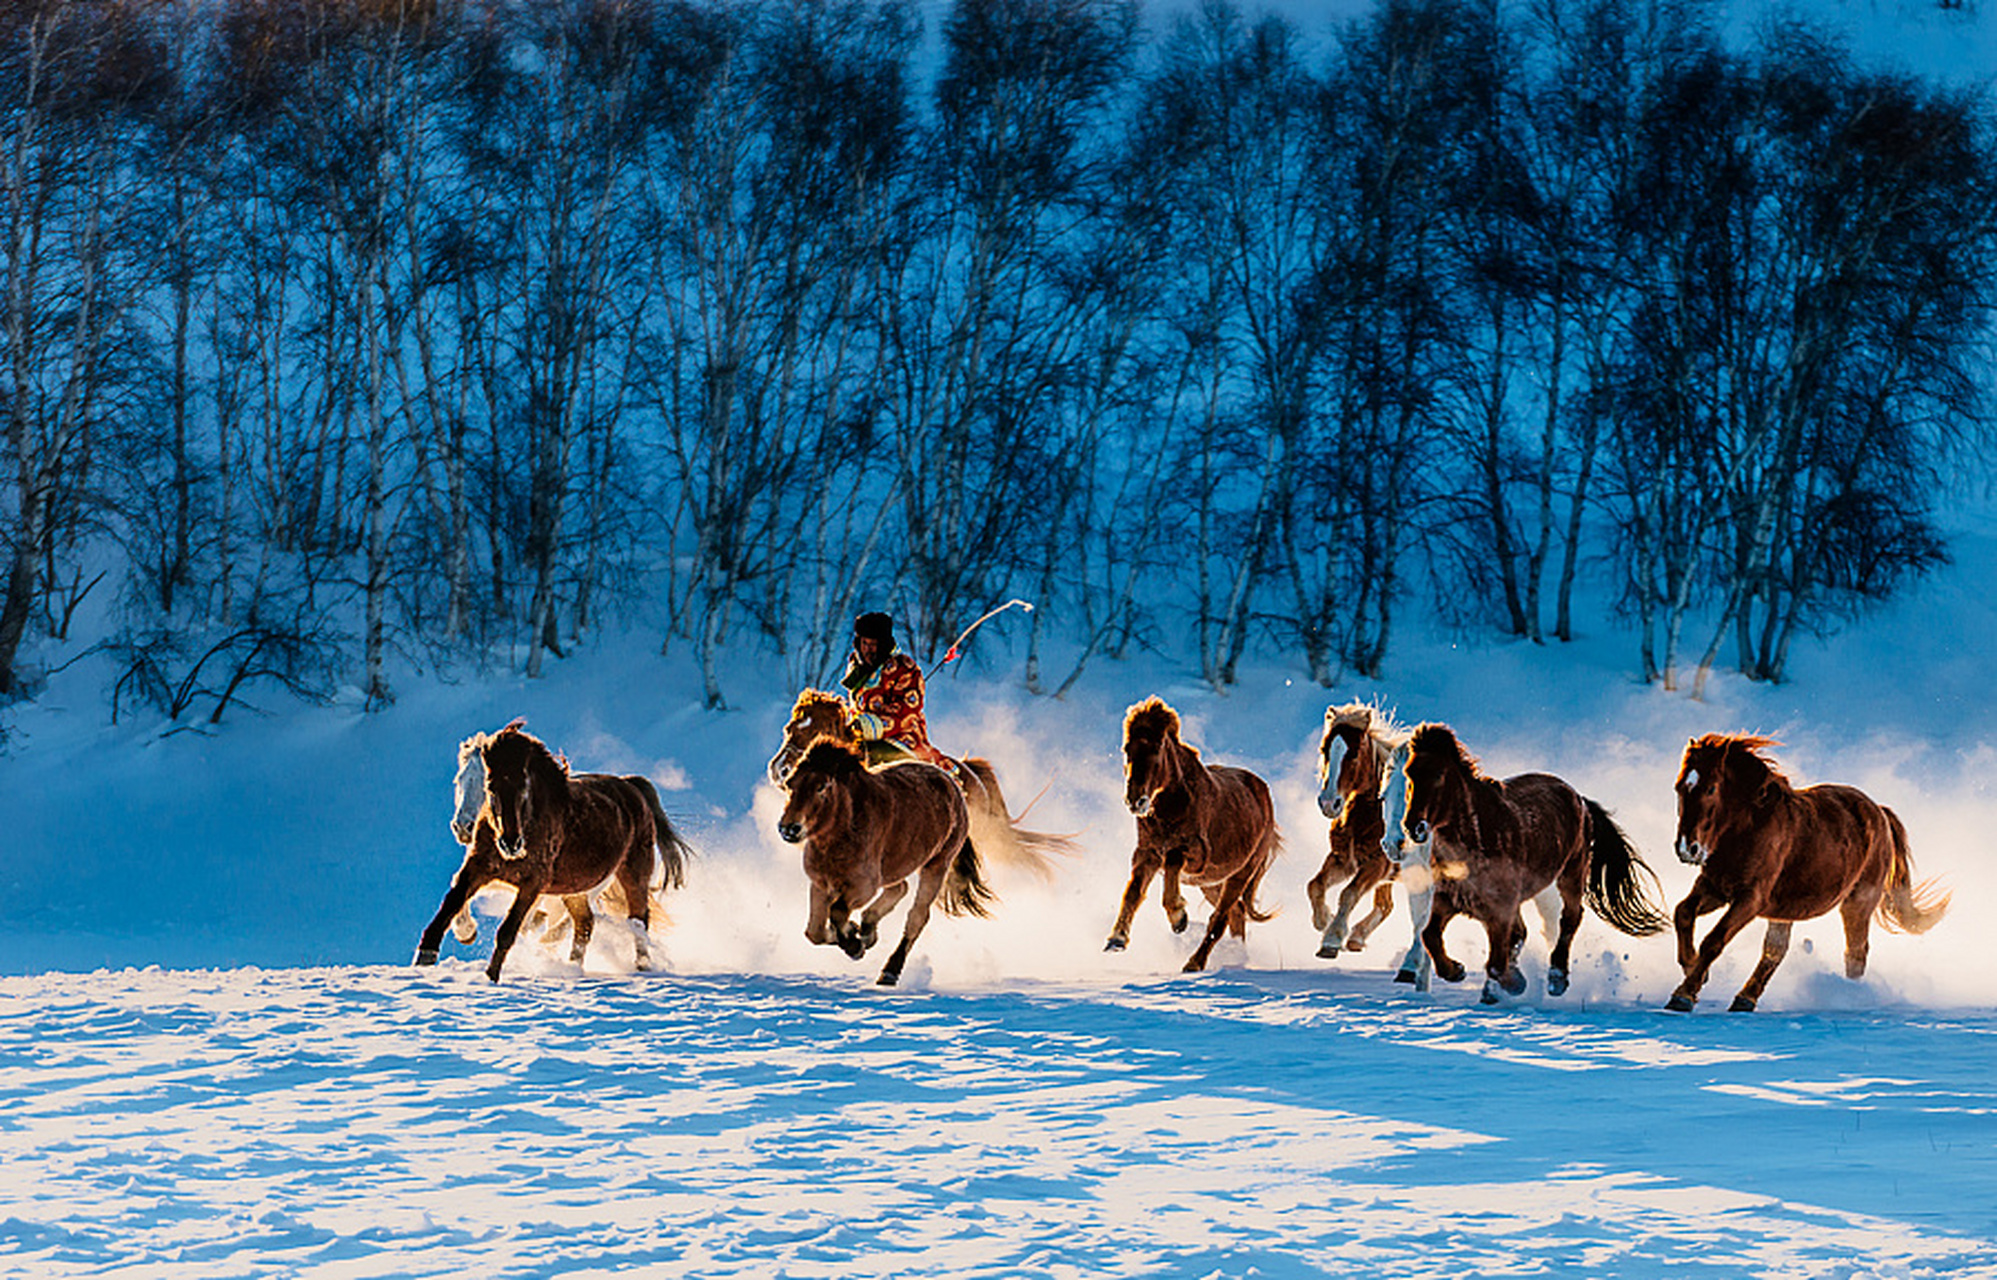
{"x":1212,"y":826}
{"x":544,"y":831}
{"x":1507,"y":841}
{"x":1768,"y":849}
{"x":821,"y":717}
{"x":865,"y":832}
{"x":1354,"y":758}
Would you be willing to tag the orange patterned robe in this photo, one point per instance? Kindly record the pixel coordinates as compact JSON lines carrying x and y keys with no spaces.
{"x":887,"y":707}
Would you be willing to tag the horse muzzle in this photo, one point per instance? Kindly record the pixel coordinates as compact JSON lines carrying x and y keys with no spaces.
{"x":792,"y":832}
{"x":1330,"y":804}
{"x":1692,"y":853}
{"x":462,"y":832}
{"x":513,"y":850}
{"x":1140,"y":805}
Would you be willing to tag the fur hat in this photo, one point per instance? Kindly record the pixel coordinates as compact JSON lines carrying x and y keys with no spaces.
{"x":874,"y":626}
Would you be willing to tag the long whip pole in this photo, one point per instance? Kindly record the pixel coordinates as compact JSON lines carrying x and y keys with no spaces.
{"x":957,"y":646}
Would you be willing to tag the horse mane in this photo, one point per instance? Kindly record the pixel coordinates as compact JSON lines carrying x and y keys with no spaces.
{"x":539,"y":758}
{"x":1153,"y":716}
{"x":474,"y":743}
{"x":1382,"y":734}
{"x":1489,"y":812}
{"x":1440,"y":739}
{"x":810,"y":699}
{"x":834,"y":759}
{"x":1750,"y":750}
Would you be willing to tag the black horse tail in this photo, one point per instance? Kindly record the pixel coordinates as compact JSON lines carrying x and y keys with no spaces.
{"x":1616,"y":875}
{"x":965,"y":892}
{"x":1907,"y":907}
{"x":673,"y":850}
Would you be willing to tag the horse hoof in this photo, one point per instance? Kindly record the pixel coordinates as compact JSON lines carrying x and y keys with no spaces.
{"x":1115,"y":944}
{"x":1513,"y":983}
{"x":1741,"y":1004}
{"x":425,"y":957}
{"x":1327,"y":952}
{"x":1450,"y":973}
{"x":1194,"y":965}
{"x":851,"y":946}
{"x":1490,"y":994}
{"x":1179,"y":923}
{"x":1679,"y":1003}
{"x":1408,"y":976}
{"x":887,"y":979}
{"x":1556,"y":982}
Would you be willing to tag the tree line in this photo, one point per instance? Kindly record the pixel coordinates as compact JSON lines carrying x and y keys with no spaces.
{"x":343,"y":330}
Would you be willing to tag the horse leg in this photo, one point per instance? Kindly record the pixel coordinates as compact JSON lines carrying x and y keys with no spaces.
{"x":1383,"y":906}
{"x":1446,"y":968}
{"x":1696,"y":903}
{"x":463,"y":885}
{"x":1232,"y":895}
{"x":1320,"y":885}
{"x":509,"y":928}
{"x":582,"y":923}
{"x":818,"y":926}
{"x":1506,"y":933}
{"x":839,"y":923}
{"x":1416,"y":966}
{"x":1237,"y":915}
{"x":634,"y":877}
{"x":1563,"y":945}
{"x":1857,"y":912}
{"x":1337,"y":933}
{"x":1142,"y":868}
{"x":1774,"y":946}
{"x":464,"y":926}
{"x":1172,"y":898}
{"x":927,"y":886}
{"x":1738,"y":916}
{"x":870,"y":919}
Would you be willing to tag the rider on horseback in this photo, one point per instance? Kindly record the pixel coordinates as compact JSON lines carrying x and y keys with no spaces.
{"x":884,"y":689}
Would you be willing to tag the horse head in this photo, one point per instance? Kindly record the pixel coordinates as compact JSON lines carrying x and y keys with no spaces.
{"x":820,"y":791}
{"x":1722,"y":780}
{"x":1349,"y":757}
{"x":1150,"y":754}
{"x":523,"y":781}
{"x":1394,"y":840}
{"x":1438,"y":775}
{"x":815,"y":716}
{"x":468,"y":788}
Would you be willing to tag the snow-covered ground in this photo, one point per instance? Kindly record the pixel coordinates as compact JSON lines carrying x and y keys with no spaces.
{"x":216,"y":1060}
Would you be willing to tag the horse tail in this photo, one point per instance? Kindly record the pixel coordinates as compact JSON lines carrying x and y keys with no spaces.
{"x":1616,"y":875}
{"x":997,"y":829}
{"x":1907,"y":907}
{"x":965,"y":892}
{"x":673,"y":850}
{"x":1271,"y":846}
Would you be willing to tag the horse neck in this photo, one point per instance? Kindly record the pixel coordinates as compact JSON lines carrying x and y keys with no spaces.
{"x":1189,"y":771}
{"x":1477,"y":817}
{"x":551,"y":785}
{"x":1378,"y":757}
